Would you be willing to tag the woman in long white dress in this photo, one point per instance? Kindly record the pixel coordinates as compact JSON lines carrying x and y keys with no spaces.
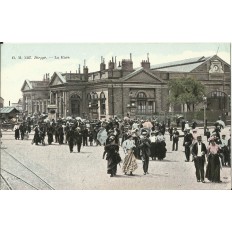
{"x":129,"y":163}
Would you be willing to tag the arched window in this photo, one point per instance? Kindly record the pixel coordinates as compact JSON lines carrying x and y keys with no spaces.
{"x":217,"y":100}
{"x":141,"y":103}
{"x":75,"y":105}
{"x":94,"y":95}
{"x":141,"y":95}
{"x":89,"y":96}
{"x":102,"y":95}
{"x":102,"y":103}
{"x":76,"y":96}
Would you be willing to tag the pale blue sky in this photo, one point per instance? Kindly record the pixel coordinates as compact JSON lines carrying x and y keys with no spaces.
{"x":15,"y":71}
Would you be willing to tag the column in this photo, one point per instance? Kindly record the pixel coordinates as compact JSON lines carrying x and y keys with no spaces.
{"x":50,"y":97}
{"x":56,"y":99}
{"x":154,"y":110}
{"x":25,"y":103}
{"x":67,"y":104}
{"x":63,"y":104}
{"x":185,"y":107}
{"x":65,"y":113}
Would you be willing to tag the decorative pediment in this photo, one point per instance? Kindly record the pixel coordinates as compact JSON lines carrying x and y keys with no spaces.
{"x":216,"y":67}
{"x":57,"y":79}
{"x":142,"y":76}
{"x":26,"y":86}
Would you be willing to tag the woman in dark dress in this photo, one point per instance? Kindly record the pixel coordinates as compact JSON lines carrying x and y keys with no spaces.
{"x":214,"y":163}
{"x":161,"y":146}
{"x":113,"y":158}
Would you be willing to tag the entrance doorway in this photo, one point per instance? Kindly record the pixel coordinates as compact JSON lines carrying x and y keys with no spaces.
{"x":75,"y":105}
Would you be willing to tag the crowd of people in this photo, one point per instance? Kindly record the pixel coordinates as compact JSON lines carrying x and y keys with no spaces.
{"x":140,"y":140}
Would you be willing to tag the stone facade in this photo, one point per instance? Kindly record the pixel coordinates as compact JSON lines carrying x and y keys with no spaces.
{"x":124,"y":91}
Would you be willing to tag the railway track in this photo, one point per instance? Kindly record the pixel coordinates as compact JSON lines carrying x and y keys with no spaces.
{"x":17,"y":176}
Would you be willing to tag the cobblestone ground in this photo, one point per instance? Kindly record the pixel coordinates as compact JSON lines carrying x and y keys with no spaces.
{"x":87,"y":169}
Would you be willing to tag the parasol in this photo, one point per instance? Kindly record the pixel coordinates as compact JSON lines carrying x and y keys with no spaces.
{"x":79,"y":118}
{"x":147,"y":125}
{"x":46,"y":120}
{"x":221,"y":123}
{"x":102,"y":136}
{"x":180,"y":116}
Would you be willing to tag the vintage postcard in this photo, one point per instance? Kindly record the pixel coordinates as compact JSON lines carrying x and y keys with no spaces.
{"x":115,"y":116}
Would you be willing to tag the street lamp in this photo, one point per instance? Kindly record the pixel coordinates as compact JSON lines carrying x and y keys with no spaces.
{"x":130,"y":103}
{"x":205,"y":104}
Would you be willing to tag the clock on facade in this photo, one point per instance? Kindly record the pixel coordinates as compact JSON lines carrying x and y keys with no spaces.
{"x":215,"y":68}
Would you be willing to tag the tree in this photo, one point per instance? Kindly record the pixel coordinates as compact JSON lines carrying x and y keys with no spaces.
{"x":186,"y":91}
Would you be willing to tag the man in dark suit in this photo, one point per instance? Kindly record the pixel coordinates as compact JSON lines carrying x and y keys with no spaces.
{"x":85,"y":133}
{"x":78,"y":137}
{"x":145,"y":151}
{"x":70,"y":136}
{"x":188,"y":138}
{"x":175,"y":139}
{"x":199,"y":150}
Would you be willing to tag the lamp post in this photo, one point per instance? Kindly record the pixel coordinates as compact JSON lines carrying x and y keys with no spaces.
{"x":130,"y":104}
{"x":205,"y":104}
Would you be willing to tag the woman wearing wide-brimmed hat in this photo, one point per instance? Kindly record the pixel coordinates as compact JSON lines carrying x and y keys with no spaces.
{"x":129,"y":163}
{"x":214,"y":162}
{"x":113,"y":158}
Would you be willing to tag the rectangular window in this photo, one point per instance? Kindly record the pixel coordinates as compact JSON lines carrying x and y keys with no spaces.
{"x":141,"y":107}
{"x":150,"y":107}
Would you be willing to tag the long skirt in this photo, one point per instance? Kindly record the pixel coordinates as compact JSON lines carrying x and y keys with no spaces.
{"x":111,"y":165}
{"x":161,"y":150}
{"x":154,"y":151}
{"x":129,"y":163}
{"x":213,"y":168}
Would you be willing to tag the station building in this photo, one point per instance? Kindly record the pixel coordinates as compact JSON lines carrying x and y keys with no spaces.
{"x":122,"y":90}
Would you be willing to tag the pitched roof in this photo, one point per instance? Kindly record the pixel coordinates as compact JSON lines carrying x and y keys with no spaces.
{"x":186,"y":65}
{"x":138,"y":70}
{"x":7,"y":110}
{"x":59,"y":74}
{"x":35,"y":84}
{"x":28,"y":83}
{"x":38,"y":84}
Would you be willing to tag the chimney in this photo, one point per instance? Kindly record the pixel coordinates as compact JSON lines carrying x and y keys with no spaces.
{"x":145,"y":63}
{"x":127,"y":64}
{"x":102,"y":65}
{"x":79,"y":69}
{"x":111,"y":64}
{"x":85,"y":72}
